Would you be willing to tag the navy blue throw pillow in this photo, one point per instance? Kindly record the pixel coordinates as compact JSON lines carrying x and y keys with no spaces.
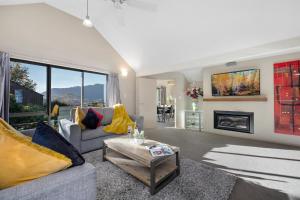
{"x":91,"y":120}
{"x":48,"y":137}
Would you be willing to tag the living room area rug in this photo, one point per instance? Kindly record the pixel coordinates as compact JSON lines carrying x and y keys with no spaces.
{"x":196,"y":181}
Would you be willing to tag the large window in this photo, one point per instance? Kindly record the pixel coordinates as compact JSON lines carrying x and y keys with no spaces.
{"x":94,"y":90}
{"x":65,"y":92}
{"x":66,"y":88}
{"x":28,"y":95}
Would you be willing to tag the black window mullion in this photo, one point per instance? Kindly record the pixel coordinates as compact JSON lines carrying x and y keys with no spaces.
{"x":49,"y":93}
{"x":82,"y":89}
{"x":105,"y":98}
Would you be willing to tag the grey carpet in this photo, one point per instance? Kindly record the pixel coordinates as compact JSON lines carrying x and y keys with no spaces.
{"x":196,"y":181}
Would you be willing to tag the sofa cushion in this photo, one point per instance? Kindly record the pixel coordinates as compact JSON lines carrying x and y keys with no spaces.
{"x":107,"y":112}
{"x":99,"y":115}
{"x":5,"y":125}
{"x":107,"y":115}
{"x":48,"y":137}
{"x":21,"y":160}
{"x":79,"y":116}
{"x":91,"y":119}
{"x":94,"y":144}
{"x":89,"y":134}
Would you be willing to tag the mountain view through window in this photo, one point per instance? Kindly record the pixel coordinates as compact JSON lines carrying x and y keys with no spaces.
{"x":69,"y":89}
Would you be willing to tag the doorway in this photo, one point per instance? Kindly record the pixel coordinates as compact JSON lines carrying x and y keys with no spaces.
{"x":165,"y":104}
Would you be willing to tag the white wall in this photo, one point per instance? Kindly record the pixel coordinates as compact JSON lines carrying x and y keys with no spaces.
{"x":128,"y":91}
{"x":41,"y":33}
{"x":146,"y":100}
{"x":263,"y":111}
{"x":181,"y":84}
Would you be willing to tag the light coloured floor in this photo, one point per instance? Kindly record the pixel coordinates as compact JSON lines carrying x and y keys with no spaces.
{"x":271,"y":165}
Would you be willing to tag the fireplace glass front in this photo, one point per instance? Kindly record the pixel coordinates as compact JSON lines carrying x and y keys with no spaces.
{"x":234,"y":121}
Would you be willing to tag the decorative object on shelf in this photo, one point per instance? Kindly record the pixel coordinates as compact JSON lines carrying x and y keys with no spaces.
{"x":237,"y":83}
{"x":287,"y":97}
{"x":87,"y":21}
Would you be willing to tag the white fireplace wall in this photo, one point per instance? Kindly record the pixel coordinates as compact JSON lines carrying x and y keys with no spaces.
{"x":263,"y":111}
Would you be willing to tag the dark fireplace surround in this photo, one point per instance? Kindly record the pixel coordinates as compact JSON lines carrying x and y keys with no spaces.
{"x":234,"y":121}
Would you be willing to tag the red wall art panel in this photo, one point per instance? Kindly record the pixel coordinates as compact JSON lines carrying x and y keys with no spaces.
{"x":287,"y":97}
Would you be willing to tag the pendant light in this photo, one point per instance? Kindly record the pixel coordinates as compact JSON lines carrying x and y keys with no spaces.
{"x":87,"y":22}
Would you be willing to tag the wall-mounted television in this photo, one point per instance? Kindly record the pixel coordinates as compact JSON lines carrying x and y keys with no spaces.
{"x":236,"y":83}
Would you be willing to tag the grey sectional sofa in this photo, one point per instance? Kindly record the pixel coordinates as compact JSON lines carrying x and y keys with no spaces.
{"x":89,"y":140}
{"x":77,"y":183}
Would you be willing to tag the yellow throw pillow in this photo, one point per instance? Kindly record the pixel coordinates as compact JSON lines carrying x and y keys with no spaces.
{"x":5,"y":125}
{"x":79,"y":116}
{"x":21,"y":160}
{"x":55,"y":111}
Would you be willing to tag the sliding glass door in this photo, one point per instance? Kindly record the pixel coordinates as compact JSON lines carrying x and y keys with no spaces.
{"x":28,"y":95}
{"x":94,"y":90}
{"x":42,"y":92}
{"x":65,"y":92}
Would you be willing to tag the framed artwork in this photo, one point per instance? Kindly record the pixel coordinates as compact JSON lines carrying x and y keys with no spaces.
{"x":287,"y":97}
{"x":237,"y":83}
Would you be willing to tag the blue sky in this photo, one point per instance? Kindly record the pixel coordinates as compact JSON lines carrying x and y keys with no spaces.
{"x":61,"y":78}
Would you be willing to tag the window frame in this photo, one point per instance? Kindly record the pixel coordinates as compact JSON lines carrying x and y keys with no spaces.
{"x":49,"y":76}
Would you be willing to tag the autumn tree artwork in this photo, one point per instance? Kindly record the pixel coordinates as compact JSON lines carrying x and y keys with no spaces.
{"x":237,"y":83}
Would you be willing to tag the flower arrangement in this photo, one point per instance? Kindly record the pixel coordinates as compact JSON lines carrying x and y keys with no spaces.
{"x":194,"y":92}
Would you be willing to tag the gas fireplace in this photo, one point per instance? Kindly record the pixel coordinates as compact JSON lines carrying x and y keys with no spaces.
{"x":234,"y":121}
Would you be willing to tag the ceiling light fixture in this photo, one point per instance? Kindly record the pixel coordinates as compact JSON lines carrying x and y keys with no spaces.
{"x":119,"y":4}
{"x":87,"y":22}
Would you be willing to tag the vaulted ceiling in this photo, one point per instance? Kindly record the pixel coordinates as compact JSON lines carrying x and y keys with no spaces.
{"x":156,"y":36}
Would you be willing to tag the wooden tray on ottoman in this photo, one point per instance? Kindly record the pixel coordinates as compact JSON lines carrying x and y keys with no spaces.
{"x":135,"y":159}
